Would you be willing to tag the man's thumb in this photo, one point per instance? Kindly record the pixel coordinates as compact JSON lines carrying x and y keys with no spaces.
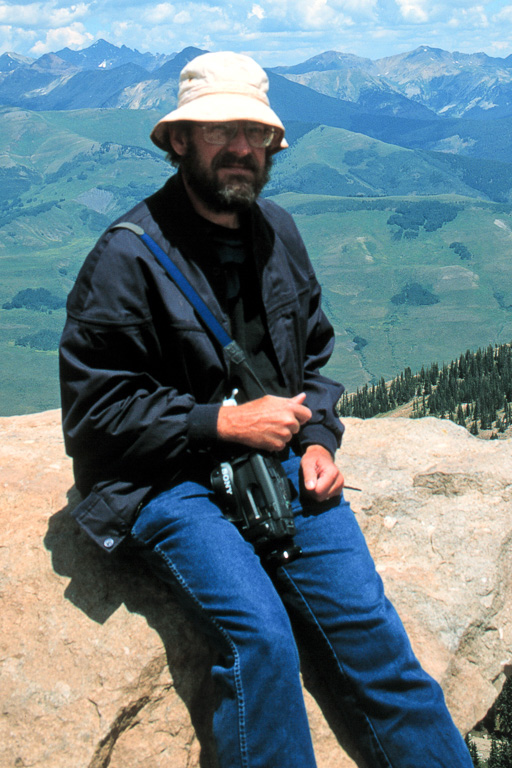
{"x":308,"y":477}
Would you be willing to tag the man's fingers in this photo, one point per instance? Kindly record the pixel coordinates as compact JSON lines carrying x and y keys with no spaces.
{"x":268,"y":423}
{"x":320,"y":475}
{"x":301,"y":412}
{"x":309,"y":477}
{"x":328,"y":487}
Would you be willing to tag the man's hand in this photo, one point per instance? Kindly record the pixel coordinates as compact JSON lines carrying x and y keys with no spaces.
{"x":320,"y":475}
{"x":267,"y":424}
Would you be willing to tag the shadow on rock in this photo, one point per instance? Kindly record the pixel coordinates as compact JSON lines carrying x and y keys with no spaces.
{"x":101,"y":583}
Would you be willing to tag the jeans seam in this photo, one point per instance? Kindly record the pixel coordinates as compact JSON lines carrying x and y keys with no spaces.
{"x":318,"y":627}
{"x":236,"y":666}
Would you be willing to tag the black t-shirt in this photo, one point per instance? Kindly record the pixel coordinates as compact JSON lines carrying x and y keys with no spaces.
{"x":240,"y":297}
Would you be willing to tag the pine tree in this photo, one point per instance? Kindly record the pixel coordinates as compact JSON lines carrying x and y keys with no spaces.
{"x":494,"y":758}
{"x":504,"y":711}
{"x":473,"y":752}
{"x":460,"y":416}
{"x":501,"y":747}
{"x":501,"y":754}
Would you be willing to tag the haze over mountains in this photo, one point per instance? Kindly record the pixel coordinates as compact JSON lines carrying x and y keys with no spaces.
{"x":399,"y":174}
{"x":417,"y":85}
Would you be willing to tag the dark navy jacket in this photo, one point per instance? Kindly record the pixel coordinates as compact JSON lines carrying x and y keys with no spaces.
{"x":142,"y":379}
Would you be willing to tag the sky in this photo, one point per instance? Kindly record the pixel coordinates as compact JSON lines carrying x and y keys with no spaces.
{"x":272,"y":31}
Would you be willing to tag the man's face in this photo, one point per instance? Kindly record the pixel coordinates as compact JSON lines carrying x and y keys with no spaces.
{"x":226,"y":178}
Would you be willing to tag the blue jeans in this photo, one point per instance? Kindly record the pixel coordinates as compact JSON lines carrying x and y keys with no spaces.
{"x":334,"y":598}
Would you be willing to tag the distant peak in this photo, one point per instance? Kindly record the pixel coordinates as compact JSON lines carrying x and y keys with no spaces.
{"x":187,"y":54}
{"x":15,"y":56}
{"x":173,"y":66}
{"x":190,"y":49}
{"x":429,"y":49}
{"x":329,"y":60}
{"x":10,"y":60}
{"x":101,"y":43}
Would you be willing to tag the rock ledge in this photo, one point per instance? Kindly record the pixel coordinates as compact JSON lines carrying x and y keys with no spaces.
{"x":99,"y":666}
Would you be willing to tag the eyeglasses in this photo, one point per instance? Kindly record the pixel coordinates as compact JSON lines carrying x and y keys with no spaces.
{"x":258,"y":135}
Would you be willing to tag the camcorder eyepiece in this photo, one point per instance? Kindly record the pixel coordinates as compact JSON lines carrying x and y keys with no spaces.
{"x":256,"y":495}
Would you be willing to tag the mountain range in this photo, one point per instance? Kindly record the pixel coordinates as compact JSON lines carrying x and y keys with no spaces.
{"x":418,"y":85}
{"x":399,"y":175}
{"x":101,"y":55}
{"x":476,"y":86}
{"x":426,"y":99}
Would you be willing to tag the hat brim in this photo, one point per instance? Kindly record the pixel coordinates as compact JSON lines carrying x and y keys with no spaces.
{"x":220,"y":108}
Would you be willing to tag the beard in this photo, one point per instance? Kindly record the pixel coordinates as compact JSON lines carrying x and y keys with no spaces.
{"x":238,"y":192}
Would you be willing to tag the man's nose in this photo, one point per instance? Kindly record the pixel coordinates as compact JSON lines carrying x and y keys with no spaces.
{"x":239,"y":143}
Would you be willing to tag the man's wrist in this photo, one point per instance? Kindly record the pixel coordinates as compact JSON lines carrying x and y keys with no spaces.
{"x":317,"y":448}
{"x":225,"y":423}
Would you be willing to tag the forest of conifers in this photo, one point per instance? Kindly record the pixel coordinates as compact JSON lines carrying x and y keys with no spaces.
{"x":475,"y":391}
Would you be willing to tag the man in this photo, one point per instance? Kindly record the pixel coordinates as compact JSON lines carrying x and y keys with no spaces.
{"x":148,"y":414}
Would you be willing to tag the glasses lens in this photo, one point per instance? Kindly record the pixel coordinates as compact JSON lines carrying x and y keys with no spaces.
{"x":258,"y":135}
{"x":219,"y":133}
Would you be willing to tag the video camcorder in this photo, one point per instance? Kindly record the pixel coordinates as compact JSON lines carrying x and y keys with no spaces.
{"x":256,"y":495}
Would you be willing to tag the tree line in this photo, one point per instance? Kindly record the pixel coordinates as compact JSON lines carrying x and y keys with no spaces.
{"x":499,"y":724}
{"x":474,"y":391}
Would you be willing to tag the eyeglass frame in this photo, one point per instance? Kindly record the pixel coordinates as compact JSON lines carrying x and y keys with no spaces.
{"x":235,"y":126}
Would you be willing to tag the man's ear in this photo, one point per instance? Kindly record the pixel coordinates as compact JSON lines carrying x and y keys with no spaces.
{"x":178,"y":138}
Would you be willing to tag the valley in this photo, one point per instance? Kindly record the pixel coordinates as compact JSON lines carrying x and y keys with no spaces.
{"x":412,"y":245}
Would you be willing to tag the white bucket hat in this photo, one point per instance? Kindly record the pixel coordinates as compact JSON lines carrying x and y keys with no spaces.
{"x":217,"y":87}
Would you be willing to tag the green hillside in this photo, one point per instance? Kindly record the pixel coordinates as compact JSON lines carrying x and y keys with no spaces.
{"x":365,"y":271}
{"x":338,"y":162}
{"x":407,"y":279}
{"x":65,"y":176}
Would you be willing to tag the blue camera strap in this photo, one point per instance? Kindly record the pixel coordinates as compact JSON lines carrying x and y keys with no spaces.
{"x":231,"y":348}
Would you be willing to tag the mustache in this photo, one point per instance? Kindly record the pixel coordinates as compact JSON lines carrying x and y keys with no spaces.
{"x":230,"y":159}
